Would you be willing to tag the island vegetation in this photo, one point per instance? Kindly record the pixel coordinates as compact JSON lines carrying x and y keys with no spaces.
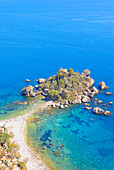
{"x":67,"y":87}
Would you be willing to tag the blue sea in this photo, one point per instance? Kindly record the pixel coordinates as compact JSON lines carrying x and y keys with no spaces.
{"x":38,"y":37}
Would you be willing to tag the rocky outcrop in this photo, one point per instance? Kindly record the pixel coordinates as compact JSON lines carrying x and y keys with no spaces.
{"x":26,"y":91}
{"x":108,"y":93}
{"x":102,"y":85}
{"x":107,"y":113}
{"x":41,"y":80}
{"x":85,"y":99}
{"x":95,"y":90}
{"x":27,"y":80}
{"x":90,"y":82}
{"x":98,"y":110}
{"x":86,"y":73}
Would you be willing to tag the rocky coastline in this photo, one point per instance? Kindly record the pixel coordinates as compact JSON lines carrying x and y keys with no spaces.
{"x":68,"y":87}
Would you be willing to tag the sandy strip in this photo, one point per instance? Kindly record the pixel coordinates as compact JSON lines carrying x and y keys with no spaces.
{"x":17,"y":126}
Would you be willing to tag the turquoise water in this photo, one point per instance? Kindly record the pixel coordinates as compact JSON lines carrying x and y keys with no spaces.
{"x":38,"y":37}
{"x":87,"y":138}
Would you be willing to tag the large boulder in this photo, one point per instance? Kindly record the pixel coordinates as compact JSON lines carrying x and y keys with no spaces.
{"x":95,"y":90}
{"x":102,"y":85}
{"x":26,"y":91}
{"x":85,"y":99}
{"x":91,"y":94}
{"x":41,"y":80}
{"x":32,"y":94}
{"x":90,"y":82}
{"x":62,"y":107}
{"x":98,"y":110}
{"x":86,"y":73}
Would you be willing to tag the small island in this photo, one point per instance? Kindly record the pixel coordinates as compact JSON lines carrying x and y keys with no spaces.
{"x":67,"y":87}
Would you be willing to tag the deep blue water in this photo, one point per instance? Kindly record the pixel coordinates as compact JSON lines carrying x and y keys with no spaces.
{"x":38,"y":37}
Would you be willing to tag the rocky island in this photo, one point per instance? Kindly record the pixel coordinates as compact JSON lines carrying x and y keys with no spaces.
{"x":67,"y":87}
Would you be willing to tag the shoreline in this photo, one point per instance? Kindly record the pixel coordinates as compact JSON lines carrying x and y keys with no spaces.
{"x":17,"y":125}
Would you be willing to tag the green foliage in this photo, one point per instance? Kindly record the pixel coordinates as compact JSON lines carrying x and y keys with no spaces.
{"x":3,"y":138}
{"x":22,"y":165}
{"x":70,"y":72}
{"x":54,"y":94}
{"x":1,"y":152}
{"x":64,"y":95}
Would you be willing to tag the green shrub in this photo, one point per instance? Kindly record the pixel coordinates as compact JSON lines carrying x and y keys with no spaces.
{"x":22,"y":165}
{"x":54,"y":94}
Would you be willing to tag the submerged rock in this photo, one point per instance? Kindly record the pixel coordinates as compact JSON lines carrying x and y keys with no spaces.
{"x":98,"y":110}
{"x":102,"y":85}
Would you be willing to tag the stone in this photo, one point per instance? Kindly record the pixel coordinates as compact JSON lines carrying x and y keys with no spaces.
{"x":27,"y":80}
{"x":102,"y":85}
{"x":100,"y":101}
{"x":90,"y":82}
{"x":32,"y":94}
{"x":95,"y":90}
{"x":57,"y":104}
{"x":41,"y":80}
{"x":107,"y":113}
{"x":110,"y":103}
{"x":86,"y":73}
{"x":46,"y":91}
{"x":36,"y":86}
{"x":108,"y":93}
{"x":53,"y":105}
{"x":86,"y":104}
{"x":27,"y":90}
{"x":91,"y":94}
{"x":66,"y":102}
{"x":98,"y":110}
{"x":87,"y":108}
{"x":96,"y":99}
{"x":61,"y":106}
{"x":85,"y":99}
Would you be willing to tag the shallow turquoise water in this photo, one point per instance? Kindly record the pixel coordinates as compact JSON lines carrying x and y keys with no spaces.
{"x":38,"y":37}
{"x":89,"y":143}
